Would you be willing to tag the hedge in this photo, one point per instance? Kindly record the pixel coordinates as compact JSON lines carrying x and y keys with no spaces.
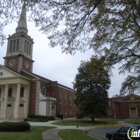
{"x":60,"y":116}
{"x":14,"y":126}
{"x":41,"y":118}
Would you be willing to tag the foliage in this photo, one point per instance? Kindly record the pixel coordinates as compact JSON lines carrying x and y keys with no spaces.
{"x":74,"y":135}
{"x":79,"y":114}
{"x":60,"y":116}
{"x":34,"y":134}
{"x":110,"y":27}
{"x":91,"y":85}
{"x":14,"y":126}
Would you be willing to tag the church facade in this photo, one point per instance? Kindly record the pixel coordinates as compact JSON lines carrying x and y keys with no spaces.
{"x":23,"y":92}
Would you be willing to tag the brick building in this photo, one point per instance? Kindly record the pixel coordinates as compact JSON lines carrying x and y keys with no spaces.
{"x":124,"y":107}
{"x":23,"y":92}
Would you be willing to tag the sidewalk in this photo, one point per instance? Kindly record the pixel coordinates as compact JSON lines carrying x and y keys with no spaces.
{"x":52,"y":133}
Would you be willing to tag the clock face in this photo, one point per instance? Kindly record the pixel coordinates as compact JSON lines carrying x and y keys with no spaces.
{"x":12,"y":62}
{"x":27,"y":64}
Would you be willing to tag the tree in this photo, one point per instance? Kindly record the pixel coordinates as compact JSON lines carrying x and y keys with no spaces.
{"x":110,"y":27}
{"x":91,"y":85}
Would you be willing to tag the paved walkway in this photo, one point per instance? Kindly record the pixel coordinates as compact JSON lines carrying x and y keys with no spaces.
{"x":52,"y":133}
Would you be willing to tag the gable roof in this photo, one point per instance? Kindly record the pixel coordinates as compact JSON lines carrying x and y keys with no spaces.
{"x":131,"y":97}
{"x":25,"y":73}
{"x":10,"y":70}
{"x":31,"y":75}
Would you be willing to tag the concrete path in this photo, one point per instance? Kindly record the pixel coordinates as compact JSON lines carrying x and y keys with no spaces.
{"x":52,"y":134}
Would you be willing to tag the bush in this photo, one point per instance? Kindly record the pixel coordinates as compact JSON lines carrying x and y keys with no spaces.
{"x":41,"y":118}
{"x":14,"y":126}
{"x":60,"y":116}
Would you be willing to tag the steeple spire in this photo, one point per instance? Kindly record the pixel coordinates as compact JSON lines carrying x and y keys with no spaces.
{"x":22,"y":24}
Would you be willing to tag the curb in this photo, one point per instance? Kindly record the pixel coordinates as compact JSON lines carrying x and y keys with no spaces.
{"x":106,"y":126}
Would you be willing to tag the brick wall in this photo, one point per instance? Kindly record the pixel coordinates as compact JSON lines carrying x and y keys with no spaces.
{"x":65,"y":107}
{"x":32,"y":103}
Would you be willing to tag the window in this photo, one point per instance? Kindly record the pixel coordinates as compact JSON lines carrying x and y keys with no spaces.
{"x":21,"y":105}
{"x":70,"y":110}
{"x":66,"y":97}
{"x":30,"y":49}
{"x":123,"y":129}
{"x":9,"y":105}
{"x":0,"y":92}
{"x":44,"y":91}
{"x":66,"y":110}
{"x":59,"y":110}
{"x":109,"y":111}
{"x":22,"y":92}
{"x":10,"y":92}
{"x":60,"y":96}
{"x":70,"y":98}
{"x":14,"y":45}
{"x":11,"y":45}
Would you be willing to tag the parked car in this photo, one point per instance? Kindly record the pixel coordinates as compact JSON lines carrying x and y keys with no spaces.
{"x":124,"y":133}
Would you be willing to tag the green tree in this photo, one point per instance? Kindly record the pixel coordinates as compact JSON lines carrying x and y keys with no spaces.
{"x":91,"y":85}
{"x":110,"y":27}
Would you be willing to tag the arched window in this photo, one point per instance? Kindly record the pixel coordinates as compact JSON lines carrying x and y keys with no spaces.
{"x":44,"y":91}
{"x":10,"y":92}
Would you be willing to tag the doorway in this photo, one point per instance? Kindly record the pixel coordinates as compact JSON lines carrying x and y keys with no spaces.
{"x":133,"y":112}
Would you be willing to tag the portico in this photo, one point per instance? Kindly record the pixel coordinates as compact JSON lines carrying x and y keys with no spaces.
{"x":14,"y":97}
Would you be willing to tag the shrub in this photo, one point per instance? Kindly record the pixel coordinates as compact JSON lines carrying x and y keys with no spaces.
{"x":41,"y":118}
{"x":60,"y":116}
{"x":14,"y":126}
{"x":51,"y":118}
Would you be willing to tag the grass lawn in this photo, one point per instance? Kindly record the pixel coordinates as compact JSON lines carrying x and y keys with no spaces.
{"x":135,"y":121}
{"x":86,"y":122}
{"x":34,"y":134}
{"x":74,"y":135}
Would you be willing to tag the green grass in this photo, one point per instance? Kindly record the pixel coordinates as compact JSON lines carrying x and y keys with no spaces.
{"x":74,"y":135}
{"x":34,"y":134}
{"x":135,"y":121}
{"x":86,"y":122}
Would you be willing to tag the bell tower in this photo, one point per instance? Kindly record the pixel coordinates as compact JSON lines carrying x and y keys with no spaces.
{"x":20,"y":47}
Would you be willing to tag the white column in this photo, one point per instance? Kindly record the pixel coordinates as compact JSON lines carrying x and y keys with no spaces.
{"x":26,"y":104}
{"x":17,"y":101}
{"x":5,"y":101}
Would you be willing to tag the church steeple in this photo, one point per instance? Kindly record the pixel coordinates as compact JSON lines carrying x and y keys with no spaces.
{"x":22,"y":24}
{"x":20,"y":46}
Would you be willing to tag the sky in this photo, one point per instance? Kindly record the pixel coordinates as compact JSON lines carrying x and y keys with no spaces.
{"x":52,"y":64}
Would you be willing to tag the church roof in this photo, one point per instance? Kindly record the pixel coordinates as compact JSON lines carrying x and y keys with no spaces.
{"x":25,"y":73}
